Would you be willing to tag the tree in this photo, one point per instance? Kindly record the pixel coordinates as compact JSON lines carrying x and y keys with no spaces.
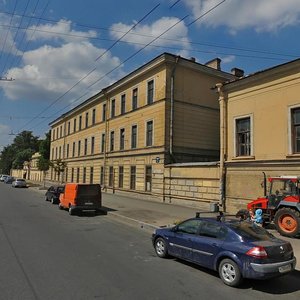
{"x":7,"y":157}
{"x":59,"y":167}
{"x":44,"y":148}
{"x":43,"y":165}
{"x":21,"y":157}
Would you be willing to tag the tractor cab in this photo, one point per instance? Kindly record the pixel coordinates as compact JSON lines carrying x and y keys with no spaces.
{"x":283,"y":188}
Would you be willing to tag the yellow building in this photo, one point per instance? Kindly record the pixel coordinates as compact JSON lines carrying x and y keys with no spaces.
{"x":163,"y":112}
{"x":260,"y":130}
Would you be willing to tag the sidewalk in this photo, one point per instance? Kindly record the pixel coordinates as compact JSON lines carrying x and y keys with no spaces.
{"x":149,"y":214}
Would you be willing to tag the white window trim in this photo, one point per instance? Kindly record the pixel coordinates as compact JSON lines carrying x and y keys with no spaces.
{"x":251,"y":134}
{"x":146,"y":132}
{"x":289,"y":128}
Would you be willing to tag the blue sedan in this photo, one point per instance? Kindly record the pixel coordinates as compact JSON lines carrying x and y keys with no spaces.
{"x":236,"y":249}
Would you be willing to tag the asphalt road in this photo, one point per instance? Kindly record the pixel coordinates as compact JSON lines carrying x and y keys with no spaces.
{"x":47,"y":254}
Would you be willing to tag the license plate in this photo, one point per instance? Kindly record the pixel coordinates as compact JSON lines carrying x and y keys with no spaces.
{"x":88,"y":203}
{"x":284,"y":269}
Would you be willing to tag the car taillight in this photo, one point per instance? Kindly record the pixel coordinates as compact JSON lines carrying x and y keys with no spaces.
{"x":258,"y":252}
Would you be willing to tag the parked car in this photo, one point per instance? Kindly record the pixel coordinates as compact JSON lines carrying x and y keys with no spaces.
{"x":236,"y":249}
{"x":81,"y":197}
{"x":3,"y":177}
{"x":9,"y":179}
{"x":53,"y":193}
{"x":19,"y":182}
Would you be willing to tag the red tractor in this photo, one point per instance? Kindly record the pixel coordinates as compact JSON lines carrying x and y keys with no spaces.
{"x":281,"y":204}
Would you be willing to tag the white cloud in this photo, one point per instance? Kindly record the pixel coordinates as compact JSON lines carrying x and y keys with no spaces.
{"x":49,"y":72}
{"x":143,"y":34}
{"x":262,"y":15}
{"x":58,"y":31}
{"x":228,"y":59}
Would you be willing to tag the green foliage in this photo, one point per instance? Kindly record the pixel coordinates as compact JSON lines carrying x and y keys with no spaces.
{"x":20,"y":157}
{"x":44,"y":148}
{"x":6,"y":159}
{"x":58,"y":165}
{"x":43,"y":164}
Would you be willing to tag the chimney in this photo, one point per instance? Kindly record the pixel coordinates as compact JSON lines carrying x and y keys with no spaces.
{"x":214,"y":63}
{"x":193,"y":59}
{"x":237,"y":72}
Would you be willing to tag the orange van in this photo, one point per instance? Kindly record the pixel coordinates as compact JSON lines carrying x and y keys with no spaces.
{"x":81,"y":197}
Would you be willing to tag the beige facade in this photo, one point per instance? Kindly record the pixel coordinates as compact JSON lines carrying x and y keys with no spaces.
{"x":164,"y":112}
{"x":261,"y":115}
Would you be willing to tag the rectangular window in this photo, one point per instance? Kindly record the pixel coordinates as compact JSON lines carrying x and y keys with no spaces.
{"x":77,"y":175}
{"x":111,"y":177}
{"x":79,"y":148}
{"x":112,"y":141}
{"x":243,"y":137}
{"x":67,"y":174}
{"x":102,"y":142}
{"x":91,"y":175}
{"x":148,"y":179}
{"x":296,"y":130}
{"x":85,"y":146}
{"x":113,"y":108}
{"x":104,"y":112}
{"x":60,"y":131}
{"x":102,"y":175}
{"x":132,"y":177}
{"x":121,"y":176}
{"x":94,"y":116}
{"x":92,"y":145}
{"x":84,"y":175}
{"x":134,"y":99}
{"x":86,"y":120}
{"x":74,"y":127}
{"x":69,"y":127}
{"x":123,"y":104}
{"x":59,"y":153}
{"x":150,"y":91}
{"x":68,"y":146}
{"x":56,"y":153}
{"x":133,"y":136}
{"x":149,"y":133}
{"x":72,"y":175}
{"x":122,"y":138}
{"x":80,"y":123}
{"x":73,"y":150}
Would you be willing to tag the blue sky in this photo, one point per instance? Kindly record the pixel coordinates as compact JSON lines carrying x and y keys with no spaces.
{"x":50,"y":47}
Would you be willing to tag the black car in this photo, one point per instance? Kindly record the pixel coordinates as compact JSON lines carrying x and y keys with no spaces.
{"x":53,"y":193}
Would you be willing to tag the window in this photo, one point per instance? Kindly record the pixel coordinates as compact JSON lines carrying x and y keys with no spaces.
{"x":123,"y":104}
{"x":60,"y":131}
{"x":102,"y":142}
{"x":91,"y":175}
{"x":84,"y":175}
{"x":80,"y":123}
{"x":134,"y":99}
{"x":73,"y":150}
{"x":59,"y":153}
{"x":111,"y":177}
{"x":121,"y":176}
{"x":243,"y":137}
{"x":212,"y":230}
{"x":56,"y":153}
{"x":133,"y":136}
{"x":85,"y":146}
{"x":68,"y":146}
{"x":112,"y":140}
{"x":149,"y":133}
{"x":92,"y":145}
{"x":150,"y":91}
{"x":189,"y":226}
{"x":79,"y":148}
{"x":94,"y":116}
{"x":296,"y":130}
{"x":113,"y":108}
{"x":77,"y":175}
{"x":122,"y":138}
{"x":72,"y":175}
{"x":67,"y":174}
{"x":102,"y":175}
{"x":69,"y":127}
{"x":86,"y":120}
{"x":132,"y":177}
{"x":148,"y":179}
{"x":74,"y":127}
{"x":104,"y":112}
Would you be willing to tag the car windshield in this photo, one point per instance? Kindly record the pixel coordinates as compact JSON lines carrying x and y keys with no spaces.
{"x":251,"y":231}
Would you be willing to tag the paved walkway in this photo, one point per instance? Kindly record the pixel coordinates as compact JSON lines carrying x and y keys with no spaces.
{"x":149,"y":214}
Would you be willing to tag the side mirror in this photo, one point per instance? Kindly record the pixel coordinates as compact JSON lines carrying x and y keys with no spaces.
{"x":174,"y":229}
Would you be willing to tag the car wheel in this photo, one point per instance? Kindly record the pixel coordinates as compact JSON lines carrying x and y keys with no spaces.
{"x":53,"y":201}
{"x":71,"y":211}
{"x":161,"y":248}
{"x":60,"y":206}
{"x":229,"y":272}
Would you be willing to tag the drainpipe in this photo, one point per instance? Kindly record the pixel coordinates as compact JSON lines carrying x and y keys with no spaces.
{"x":106,"y":141}
{"x":223,"y":139}
{"x":172,"y":106}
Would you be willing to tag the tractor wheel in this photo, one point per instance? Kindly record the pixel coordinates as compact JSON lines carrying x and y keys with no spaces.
{"x":287,"y":221}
